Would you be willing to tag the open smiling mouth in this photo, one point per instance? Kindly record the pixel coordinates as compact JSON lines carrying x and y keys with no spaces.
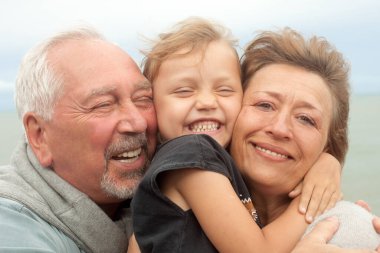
{"x":128,"y":156}
{"x":204,"y":126}
{"x":271,"y":153}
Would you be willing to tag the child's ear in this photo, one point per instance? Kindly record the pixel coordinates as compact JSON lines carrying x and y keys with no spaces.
{"x":36,"y":133}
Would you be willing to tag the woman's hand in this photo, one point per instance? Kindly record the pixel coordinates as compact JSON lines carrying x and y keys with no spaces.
{"x":376,"y":220}
{"x":316,"y":240}
{"x":320,"y":189}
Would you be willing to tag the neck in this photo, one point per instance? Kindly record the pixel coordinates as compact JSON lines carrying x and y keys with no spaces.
{"x":269,"y":207}
{"x":112,"y":209}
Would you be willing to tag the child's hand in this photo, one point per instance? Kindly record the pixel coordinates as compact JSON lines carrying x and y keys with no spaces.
{"x":320,"y":188}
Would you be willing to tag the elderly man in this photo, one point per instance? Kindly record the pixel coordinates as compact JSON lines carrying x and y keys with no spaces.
{"x":90,"y":130}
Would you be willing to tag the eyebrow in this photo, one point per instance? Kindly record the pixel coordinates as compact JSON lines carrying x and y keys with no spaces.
{"x":303,"y":104}
{"x":97,"y":93}
{"x":144,"y":85}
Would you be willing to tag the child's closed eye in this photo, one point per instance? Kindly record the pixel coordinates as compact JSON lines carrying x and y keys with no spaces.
{"x":183,"y":91}
{"x":225,"y":91}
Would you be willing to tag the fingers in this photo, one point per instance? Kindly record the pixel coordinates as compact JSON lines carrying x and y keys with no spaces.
{"x":376,"y":224}
{"x":328,"y":200}
{"x":321,"y":200}
{"x":335,"y":197}
{"x":314,"y":203}
{"x":363,"y":204}
{"x":296,"y":191}
{"x":323,"y":231}
{"x":306,"y":194}
{"x":316,"y":241}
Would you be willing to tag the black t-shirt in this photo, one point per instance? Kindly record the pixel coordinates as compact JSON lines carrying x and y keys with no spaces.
{"x":162,"y":226}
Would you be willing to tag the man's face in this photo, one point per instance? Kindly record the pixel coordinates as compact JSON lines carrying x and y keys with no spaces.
{"x":103,"y":129}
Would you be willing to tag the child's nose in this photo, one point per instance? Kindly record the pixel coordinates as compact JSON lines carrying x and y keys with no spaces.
{"x":206,"y":101}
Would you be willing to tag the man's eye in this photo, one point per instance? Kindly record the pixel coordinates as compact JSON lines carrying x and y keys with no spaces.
{"x":101,"y":105}
{"x":144,"y":101}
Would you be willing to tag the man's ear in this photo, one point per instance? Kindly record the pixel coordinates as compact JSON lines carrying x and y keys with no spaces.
{"x":37,"y":137}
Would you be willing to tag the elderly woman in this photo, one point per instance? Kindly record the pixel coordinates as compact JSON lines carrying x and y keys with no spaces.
{"x":295,"y":107}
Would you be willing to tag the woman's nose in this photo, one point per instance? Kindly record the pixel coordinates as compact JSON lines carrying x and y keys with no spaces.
{"x":280,"y":126}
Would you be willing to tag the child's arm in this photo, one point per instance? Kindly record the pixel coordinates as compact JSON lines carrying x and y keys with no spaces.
{"x":320,"y":187}
{"x":224,"y":218}
{"x":287,"y":229}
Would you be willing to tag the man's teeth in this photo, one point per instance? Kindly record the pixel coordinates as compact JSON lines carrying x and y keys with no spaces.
{"x":271,"y":152}
{"x":204,"y":126}
{"x":129,"y":154}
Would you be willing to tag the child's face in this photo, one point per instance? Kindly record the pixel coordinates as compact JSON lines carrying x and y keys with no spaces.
{"x":199,"y":93}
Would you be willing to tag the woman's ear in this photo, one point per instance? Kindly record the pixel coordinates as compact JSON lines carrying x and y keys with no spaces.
{"x":36,"y":133}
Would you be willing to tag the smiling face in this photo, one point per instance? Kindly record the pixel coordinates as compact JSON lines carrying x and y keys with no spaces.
{"x":103,"y":128}
{"x":282,"y":127}
{"x":199,"y":93}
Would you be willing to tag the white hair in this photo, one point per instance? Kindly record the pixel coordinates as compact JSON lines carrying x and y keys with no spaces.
{"x":38,"y":87}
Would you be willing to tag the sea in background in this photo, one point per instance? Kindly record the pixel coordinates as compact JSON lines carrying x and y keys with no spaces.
{"x":361,"y":172}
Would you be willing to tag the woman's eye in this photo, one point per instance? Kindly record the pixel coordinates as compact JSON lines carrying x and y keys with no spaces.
{"x":265,"y":106}
{"x":307,"y":120}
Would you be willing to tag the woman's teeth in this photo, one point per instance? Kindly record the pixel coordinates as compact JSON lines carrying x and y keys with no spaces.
{"x":274,"y":154}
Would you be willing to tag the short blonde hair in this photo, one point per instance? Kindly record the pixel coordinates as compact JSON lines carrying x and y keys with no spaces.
{"x":190,"y":35}
{"x":316,"y":55}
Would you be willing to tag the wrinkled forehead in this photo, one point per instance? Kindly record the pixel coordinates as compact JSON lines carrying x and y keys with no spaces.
{"x":292,"y":85}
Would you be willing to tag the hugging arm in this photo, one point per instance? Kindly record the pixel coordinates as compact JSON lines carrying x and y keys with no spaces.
{"x":222,"y":216}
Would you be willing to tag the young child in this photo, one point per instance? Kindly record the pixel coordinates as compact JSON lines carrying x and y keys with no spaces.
{"x":196,"y":79}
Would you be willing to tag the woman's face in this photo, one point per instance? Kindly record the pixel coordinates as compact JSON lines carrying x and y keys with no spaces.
{"x":282,"y":127}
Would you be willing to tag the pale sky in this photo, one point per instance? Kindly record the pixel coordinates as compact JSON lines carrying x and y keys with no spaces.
{"x":352,"y":26}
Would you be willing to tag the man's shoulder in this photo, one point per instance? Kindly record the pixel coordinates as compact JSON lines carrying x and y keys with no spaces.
{"x":14,"y":186}
{"x":7,"y":171}
{"x":21,"y":228}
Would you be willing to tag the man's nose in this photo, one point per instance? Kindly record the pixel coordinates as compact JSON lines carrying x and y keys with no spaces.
{"x":131,"y":120}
